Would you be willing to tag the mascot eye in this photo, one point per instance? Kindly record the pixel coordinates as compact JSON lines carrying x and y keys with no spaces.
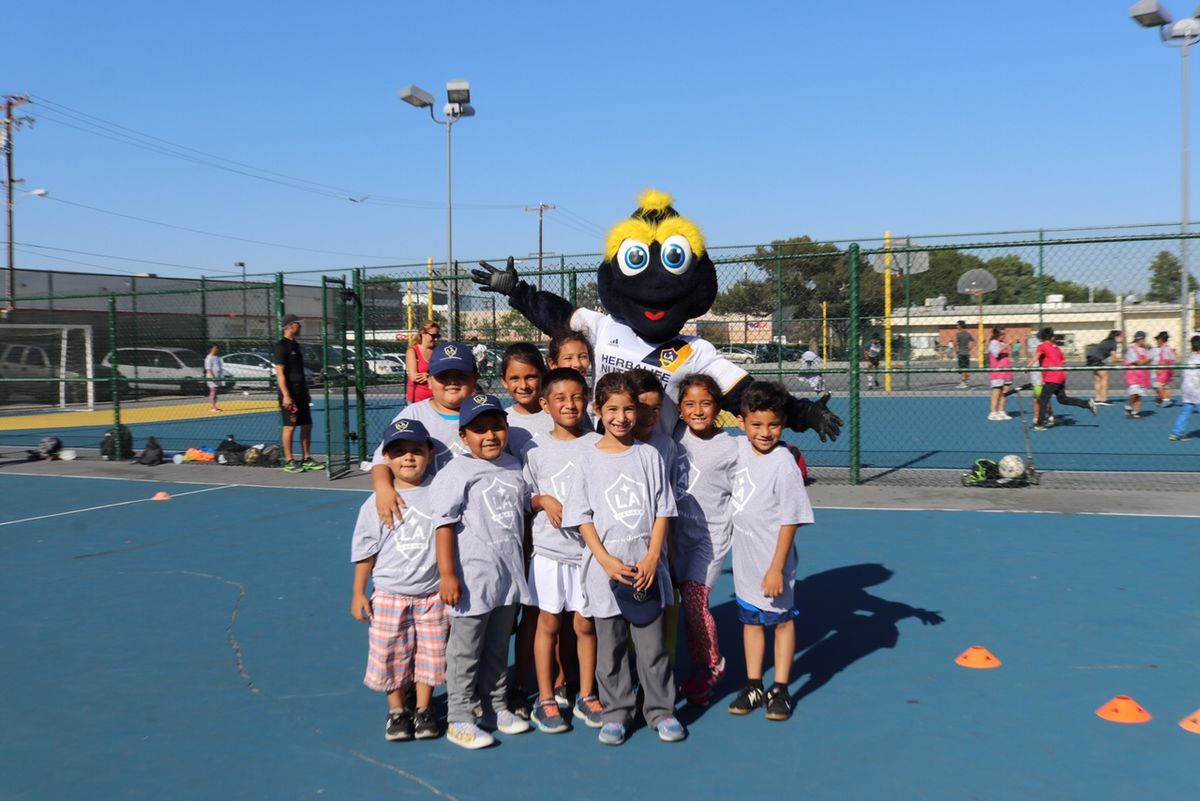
{"x":633,"y":257}
{"x":677,"y":254}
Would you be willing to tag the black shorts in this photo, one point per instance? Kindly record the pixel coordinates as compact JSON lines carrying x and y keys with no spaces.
{"x":873,"y":361}
{"x":964,"y":362}
{"x":1092,"y":361}
{"x":300,"y":414}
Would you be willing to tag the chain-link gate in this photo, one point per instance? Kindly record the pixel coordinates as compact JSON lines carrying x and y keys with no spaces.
{"x":337,"y":371}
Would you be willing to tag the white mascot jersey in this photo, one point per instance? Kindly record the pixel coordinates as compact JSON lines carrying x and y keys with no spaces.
{"x":618,"y":348}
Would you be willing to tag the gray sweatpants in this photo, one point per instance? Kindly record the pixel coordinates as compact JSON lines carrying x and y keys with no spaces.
{"x":477,"y":663}
{"x":615,"y":677}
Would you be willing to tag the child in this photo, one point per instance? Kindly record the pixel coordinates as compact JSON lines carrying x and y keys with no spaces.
{"x":478,"y":509}
{"x":1049,"y":355}
{"x":873,"y":352}
{"x":452,"y":380}
{"x":555,"y":572}
{"x":622,"y":504}
{"x":1136,"y":381}
{"x":703,"y":531}
{"x":1000,"y":360}
{"x":408,"y":620}
{"x":1190,"y":392}
{"x":769,"y":504}
{"x":1163,"y":356}
{"x":812,"y":362}
{"x":571,"y":349}
{"x":521,"y":370}
{"x":214,"y":368}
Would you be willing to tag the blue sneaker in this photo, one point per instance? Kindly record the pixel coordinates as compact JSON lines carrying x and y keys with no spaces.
{"x":670,"y":730}
{"x":612,"y":734}
{"x":588,"y":710}
{"x":547,"y":717}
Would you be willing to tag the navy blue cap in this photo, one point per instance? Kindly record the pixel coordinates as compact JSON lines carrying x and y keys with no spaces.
{"x":451,"y":356}
{"x":1139,"y":335}
{"x":406,"y":430}
{"x":477,"y":405}
{"x":639,"y":607}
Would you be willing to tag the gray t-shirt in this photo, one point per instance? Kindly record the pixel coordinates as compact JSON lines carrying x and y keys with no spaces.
{"x":485,"y":501}
{"x":524,"y":427}
{"x":703,"y":483}
{"x":621,"y":494}
{"x":962,"y":342}
{"x":669,"y":451}
{"x":551,"y":467}
{"x":768,"y":493}
{"x":443,"y":430}
{"x":405,"y":556}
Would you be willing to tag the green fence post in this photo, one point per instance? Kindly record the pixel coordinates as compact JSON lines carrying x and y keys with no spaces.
{"x":853,"y":350}
{"x":204,"y":313}
{"x":574,"y":289}
{"x":779,"y":336}
{"x":50,"y":293}
{"x":279,"y":306}
{"x":1041,"y":277}
{"x":360,"y":364}
{"x":114,"y":383}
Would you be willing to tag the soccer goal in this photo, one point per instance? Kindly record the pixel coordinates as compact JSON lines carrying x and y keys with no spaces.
{"x":47,"y":364}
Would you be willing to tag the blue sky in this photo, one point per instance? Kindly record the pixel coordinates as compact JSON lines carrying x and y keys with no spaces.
{"x":764,"y":119}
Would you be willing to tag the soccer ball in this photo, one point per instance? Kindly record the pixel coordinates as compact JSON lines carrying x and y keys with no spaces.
{"x":1012,"y":466}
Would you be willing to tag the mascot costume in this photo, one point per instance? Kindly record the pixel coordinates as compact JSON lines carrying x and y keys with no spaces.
{"x":655,"y":277}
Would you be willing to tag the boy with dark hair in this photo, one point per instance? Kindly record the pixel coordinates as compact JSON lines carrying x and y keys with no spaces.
{"x":1050,"y":358}
{"x":769,"y":505}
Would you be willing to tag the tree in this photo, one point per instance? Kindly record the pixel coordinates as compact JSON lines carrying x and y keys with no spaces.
{"x":1164,"y":278}
{"x":746,"y":297}
{"x":587,"y":296}
{"x":514,"y":327}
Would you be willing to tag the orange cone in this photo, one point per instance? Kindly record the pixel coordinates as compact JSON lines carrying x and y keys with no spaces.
{"x":1123,"y":709}
{"x":161,"y":495}
{"x":978,"y":657}
{"x":1191,"y":722}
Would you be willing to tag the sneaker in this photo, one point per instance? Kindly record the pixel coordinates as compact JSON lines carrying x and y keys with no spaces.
{"x":748,"y":700}
{"x":1134,"y":415}
{"x":310,"y":465}
{"x":214,"y":409}
{"x":1040,"y":428}
{"x":992,"y":416}
{"x":399,"y":725}
{"x":779,"y":703}
{"x":962,"y":385}
{"x":612,"y":734}
{"x":425,"y":725}
{"x":1103,"y":403}
{"x":562,"y":696}
{"x":670,"y":730}
{"x":293,"y":467}
{"x":509,"y":723}
{"x":548,"y":718}
{"x":1092,"y":408}
{"x":588,"y":710}
{"x":698,"y":688}
{"x":468,"y":736}
{"x":1176,"y":437}
{"x":519,"y":704}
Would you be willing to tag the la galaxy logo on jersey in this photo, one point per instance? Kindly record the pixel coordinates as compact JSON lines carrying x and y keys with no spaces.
{"x":625,"y":499}
{"x":413,"y":535}
{"x":743,"y":489}
{"x":669,"y":356}
{"x":501,"y":500}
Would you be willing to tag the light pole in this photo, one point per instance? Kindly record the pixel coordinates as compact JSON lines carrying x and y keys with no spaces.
{"x":10,"y":203}
{"x":242,"y":264}
{"x":1182,"y":34}
{"x":458,"y":105}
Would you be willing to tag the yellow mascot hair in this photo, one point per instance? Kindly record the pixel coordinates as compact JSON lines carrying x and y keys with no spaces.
{"x":654,"y":221}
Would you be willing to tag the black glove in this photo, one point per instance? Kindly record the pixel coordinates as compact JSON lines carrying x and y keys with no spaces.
{"x":818,"y":418}
{"x":492,"y":280}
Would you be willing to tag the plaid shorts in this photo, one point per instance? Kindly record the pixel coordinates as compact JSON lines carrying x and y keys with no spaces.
{"x":407,"y":641}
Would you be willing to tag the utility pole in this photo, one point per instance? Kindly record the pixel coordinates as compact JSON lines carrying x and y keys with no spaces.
{"x":11,"y":102}
{"x":541,"y":209}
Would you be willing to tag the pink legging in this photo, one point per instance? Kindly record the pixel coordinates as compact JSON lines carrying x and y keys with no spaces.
{"x":212,"y":397}
{"x":701,"y":628}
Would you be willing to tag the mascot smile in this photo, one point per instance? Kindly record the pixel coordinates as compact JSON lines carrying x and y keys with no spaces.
{"x":655,"y":277}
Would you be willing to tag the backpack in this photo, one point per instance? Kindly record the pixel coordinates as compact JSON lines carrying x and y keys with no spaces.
{"x":47,"y":449}
{"x":230,"y":451}
{"x":108,"y":445}
{"x":986,"y":473}
{"x":152,"y":454}
{"x":269,"y":457}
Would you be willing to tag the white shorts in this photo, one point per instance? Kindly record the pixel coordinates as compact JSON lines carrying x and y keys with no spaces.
{"x":1001,"y":382}
{"x":555,"y":586}
{"x":1135,"y":389}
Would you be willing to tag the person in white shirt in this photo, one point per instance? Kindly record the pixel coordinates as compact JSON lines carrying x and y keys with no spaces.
{"x":214,"y":370}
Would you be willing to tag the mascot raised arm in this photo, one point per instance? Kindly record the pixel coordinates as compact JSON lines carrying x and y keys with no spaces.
{"x":655,"y":277}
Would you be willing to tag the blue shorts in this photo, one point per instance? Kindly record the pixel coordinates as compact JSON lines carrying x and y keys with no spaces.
{"x":751,"y":615}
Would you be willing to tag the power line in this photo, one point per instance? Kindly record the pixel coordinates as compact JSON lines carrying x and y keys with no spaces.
{"x":125,"y":258}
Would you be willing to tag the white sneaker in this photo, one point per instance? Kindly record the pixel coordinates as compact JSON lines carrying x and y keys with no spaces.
{"x":1003,"y":416}
{"x":509,"y":723}
{"x":992,"y":416}
{"x":468,"y":736}
{"x":962,"y":385}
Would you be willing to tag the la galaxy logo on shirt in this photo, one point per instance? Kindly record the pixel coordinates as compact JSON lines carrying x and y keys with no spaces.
{"x":413,"y":534}
{"x":686,"y":474}
{"x":670,"y":356}
{"x":450,"y":350}
{"x":743,"y":489}
{"x":442,"y":457}
{"x":561,"y":481}
{"x":625,"y":499}
{"x":501,"y":500}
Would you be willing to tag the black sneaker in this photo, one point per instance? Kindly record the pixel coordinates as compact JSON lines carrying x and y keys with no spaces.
{"x":519,"y":703}
{"x":748,"y":700}
{"x":399,"y":725}
{"x":779,"y":704}
{"x":426,"y":725}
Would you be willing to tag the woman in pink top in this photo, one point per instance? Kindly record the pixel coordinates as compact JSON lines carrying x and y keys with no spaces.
{"x":1137,"y":381}
{"x":416,"y":361}
{"x":1000,"y":360}
{"x":1164,"y":357}
{"x":1049,"y":356}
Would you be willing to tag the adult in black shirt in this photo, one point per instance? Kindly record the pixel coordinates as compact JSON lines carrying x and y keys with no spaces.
{"x":294,"y":401}
{"x":1106,"y":350}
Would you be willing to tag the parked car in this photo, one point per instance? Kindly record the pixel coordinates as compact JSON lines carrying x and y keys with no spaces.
{"x":161,"y":370}
{"x":736,"y":355}
{"x":22,"y":366}
{"x":381,"y":364}
{"x":258,"y":366}
{"x":774,"y":352}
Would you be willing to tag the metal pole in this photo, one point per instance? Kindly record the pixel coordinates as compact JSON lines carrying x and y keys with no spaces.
{"x":280,"y":305}
{"x":1183,"y":243}
{"x":360,"y":366}
{"x":1041,"y":277}
{"x":887,"y":312}
{"x":8,"y":197}
{"x":854,"y":389}
{"x":114,"y":383}
{"x":242,"y":264}
{"x":452,"y":296}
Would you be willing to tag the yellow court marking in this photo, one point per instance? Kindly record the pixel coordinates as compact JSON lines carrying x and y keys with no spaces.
{"x":134,"y":414}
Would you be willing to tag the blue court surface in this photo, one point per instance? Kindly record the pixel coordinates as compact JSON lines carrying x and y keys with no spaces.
{"x":203,"y":648}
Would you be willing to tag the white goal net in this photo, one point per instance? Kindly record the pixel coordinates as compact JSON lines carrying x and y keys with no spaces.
{"x":47,"y":365}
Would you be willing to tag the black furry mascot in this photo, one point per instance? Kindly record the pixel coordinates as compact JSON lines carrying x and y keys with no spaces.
{"x":655,"y":277}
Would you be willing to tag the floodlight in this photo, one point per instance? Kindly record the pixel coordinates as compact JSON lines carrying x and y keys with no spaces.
{"x":458,"y":91}
{"x":1185,"y":29}
{"x":1149,"y":14}
{"x":458,"y":110}
{"x":416,"y":96}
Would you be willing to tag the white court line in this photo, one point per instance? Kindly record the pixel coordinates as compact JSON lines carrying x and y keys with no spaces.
{"x":998,"y":511}
{"x":108,"y":506}
{"x":180,"y":481}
